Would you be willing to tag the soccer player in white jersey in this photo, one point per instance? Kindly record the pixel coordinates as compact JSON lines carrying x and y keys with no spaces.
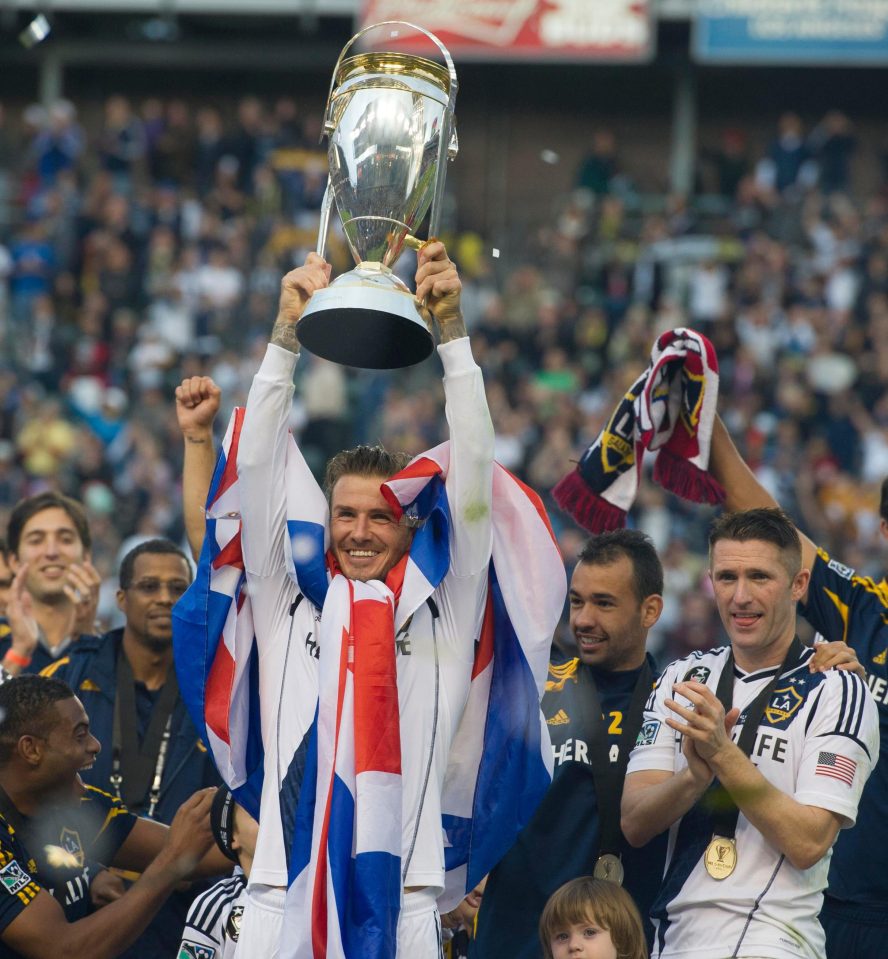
{"x":749,"y":853}
{"x":368,"y":542}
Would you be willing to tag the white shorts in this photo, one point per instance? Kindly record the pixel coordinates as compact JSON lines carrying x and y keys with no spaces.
{"x":260,"y":934}
{"x":419,"y":926}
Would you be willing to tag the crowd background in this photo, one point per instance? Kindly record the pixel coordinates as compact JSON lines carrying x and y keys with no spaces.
{"x":145,"y":241}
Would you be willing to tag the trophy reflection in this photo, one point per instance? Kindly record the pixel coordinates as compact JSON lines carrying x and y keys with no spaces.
{"x":390,"y":128}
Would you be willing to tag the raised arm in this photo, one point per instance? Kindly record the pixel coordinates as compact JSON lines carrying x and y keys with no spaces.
{"x":197,"y":403}
{"x":470,"y":477}
{"x":743,"y":490}
{"x":262,"y":453}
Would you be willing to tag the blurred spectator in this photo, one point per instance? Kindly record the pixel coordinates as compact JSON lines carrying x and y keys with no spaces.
{"x":123,"y":143}
{"x":600,"y":164}
{"x":832,"y":143}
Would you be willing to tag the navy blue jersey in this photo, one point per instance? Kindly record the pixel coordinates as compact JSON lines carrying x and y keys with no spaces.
{"x":561,"y":842}
{"x":59,"y":851}
{"x":844,"y":606}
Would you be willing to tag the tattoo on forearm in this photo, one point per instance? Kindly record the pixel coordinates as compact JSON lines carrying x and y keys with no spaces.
{"x":195,"y":440}
{"x":454,"y":330}
{"x":284,"y":335}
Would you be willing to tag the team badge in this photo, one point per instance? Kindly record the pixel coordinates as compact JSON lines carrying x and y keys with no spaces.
{"x":648,"y":733}
{"x":697,"y":674}
{"x":616,"y":452}
{"x":70,"y":842}
{"x":233,"y":923}
{"x":193,"y":950}
{"x":784,"y":703}
{"x":13,"y":878}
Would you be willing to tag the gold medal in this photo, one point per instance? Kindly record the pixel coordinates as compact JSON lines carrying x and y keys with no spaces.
{"x":720,"y":858}
{"x":609,"y":867}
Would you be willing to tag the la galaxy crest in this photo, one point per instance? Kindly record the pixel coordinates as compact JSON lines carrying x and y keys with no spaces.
{"x":697,"y":674}
{"x":783,"y":705}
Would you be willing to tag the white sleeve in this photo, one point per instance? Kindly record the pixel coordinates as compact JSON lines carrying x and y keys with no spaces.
{"x":470,"y":474}
{"x":463,"y":592}
{"x":206,"y":921}
{"x":261,"y":463}
{"x":841,"y":746}
{"x":657,"y":746}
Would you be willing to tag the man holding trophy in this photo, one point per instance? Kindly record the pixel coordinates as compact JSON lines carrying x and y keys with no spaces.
{"x":366,"y":662}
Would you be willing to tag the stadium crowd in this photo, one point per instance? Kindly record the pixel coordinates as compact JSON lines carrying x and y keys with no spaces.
{"x":150,"y":249}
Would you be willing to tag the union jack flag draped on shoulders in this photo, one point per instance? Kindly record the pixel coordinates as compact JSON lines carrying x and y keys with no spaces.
{"x":344,"y":879}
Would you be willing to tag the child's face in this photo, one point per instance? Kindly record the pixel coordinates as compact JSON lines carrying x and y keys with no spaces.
{"x":583,"y":940}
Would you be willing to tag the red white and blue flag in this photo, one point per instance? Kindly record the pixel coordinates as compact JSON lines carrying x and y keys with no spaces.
{"x":345,"y":848}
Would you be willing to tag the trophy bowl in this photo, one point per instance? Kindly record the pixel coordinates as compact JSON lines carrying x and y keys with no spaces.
{"x":389,"y":121}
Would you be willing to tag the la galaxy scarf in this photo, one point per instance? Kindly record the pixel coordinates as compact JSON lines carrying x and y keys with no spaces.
{"x":670,"y":410}
{"x":345,"y":880}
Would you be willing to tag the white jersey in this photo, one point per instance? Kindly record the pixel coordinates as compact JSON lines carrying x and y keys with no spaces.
{"x":211,"y":929}
{"x":817,"y":742}
{"x":434,"y":660}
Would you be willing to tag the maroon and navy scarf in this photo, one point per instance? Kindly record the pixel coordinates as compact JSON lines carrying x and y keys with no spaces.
{"x":670,"y":410}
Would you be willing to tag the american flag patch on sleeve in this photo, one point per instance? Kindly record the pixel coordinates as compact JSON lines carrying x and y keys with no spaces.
{"x":839,"y":767}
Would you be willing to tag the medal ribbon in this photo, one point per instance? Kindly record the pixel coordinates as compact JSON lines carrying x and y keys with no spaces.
{"x":607,"y":776}
{"x":716,"y":799}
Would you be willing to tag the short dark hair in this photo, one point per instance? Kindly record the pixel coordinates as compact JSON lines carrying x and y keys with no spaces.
{"x":768,"y":524}
{"x":26,"y":703}
{"x":883,"y":502}
{"x":605,"y":903}
{"x":363,"y":461}
{"x":647,"y":570}
{"x":30,"y":506}
{"x":4,"y":549}
{"x":163,"y":547}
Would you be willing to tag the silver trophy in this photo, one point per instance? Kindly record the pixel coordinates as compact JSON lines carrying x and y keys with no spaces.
{"x":390,"y":128}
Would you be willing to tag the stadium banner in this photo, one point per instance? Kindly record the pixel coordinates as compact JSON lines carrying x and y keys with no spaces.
{"x":816,"y":32}
{"x":615,"y":31}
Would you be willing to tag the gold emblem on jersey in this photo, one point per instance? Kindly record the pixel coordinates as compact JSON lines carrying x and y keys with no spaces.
{"x":559,"y":719}
{"x":784,"y":702}
{"x":882,"y":658}
{"x":720,"y":858}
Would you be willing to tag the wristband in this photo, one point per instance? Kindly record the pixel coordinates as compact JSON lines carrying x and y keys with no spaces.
{"x":17,"y":659}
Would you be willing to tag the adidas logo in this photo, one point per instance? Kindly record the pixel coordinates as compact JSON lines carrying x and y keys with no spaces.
{"x":88,"y":686}
{"x":881,"y":658}
{"x":559,"y":719}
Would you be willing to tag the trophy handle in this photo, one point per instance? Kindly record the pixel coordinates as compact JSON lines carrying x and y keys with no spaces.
{"x":324,"y":225}
{"x":448,"y":60}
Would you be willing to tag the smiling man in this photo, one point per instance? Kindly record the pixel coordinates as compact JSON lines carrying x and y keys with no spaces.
{"x":367,"y":541}
{"x":52,"y":600}
{"x":593,"y":706}
{"x":752,"y":759}
{"x":367,"y":606}
{"x":55,"y":832}
{"x":151,"y":758}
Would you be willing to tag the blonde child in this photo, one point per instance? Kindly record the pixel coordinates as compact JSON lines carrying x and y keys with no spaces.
{"x":591,"y":919}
